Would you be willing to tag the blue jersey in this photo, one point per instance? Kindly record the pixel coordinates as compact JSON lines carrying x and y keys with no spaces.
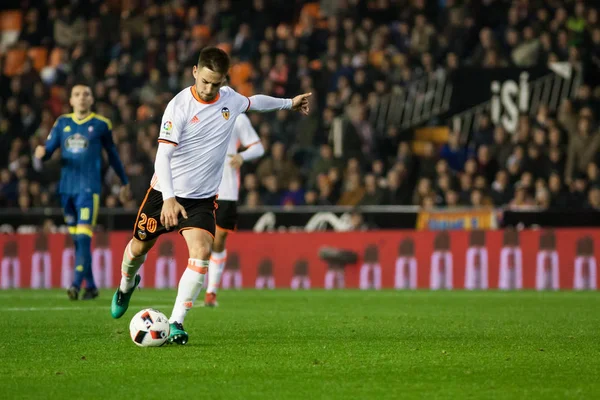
{"x":81,"y":143}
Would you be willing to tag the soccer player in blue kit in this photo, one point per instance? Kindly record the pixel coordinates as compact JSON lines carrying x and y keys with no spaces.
{"x":81,"y":136}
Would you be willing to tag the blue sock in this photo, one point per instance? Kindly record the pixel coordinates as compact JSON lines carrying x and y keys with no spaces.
{"x":78,"y":275}
{"x":85,"y":250}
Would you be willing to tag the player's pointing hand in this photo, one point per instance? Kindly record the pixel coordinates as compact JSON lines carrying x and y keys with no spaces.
{"x":300,"y":103}
{"x":170,"y":213}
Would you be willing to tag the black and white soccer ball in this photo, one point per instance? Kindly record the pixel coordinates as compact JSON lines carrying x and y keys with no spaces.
{"x":149,"y":328}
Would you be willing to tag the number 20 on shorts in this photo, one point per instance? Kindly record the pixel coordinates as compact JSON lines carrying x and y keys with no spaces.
{"x":146,"y":223}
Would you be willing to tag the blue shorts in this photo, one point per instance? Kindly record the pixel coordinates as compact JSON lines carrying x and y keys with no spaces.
{"x":80,"y":209}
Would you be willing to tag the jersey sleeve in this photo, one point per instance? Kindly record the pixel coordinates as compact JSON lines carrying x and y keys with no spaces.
{"x":245,"y":131}
{"x":113,"y":154}
{"x":53,"y":141}
{"x":171,"y":125}
{"x":242,"y":102}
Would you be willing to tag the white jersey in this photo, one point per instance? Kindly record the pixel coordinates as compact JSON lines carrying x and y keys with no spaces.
{"x":244,"y":134}
{"x":201,"y":132}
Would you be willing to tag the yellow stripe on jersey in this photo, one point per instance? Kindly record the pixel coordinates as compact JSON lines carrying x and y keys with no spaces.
{"x":82,"y":121}
{"x":96,"y":198}
{"x":72,"y":230}
{"x":105,"y":120}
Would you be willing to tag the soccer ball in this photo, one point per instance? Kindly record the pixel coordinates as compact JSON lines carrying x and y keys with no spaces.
{"x":149,"y":328}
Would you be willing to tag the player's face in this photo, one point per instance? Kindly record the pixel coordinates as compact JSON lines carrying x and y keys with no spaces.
{"x":81,"y":99}
{"x":208,"y":82}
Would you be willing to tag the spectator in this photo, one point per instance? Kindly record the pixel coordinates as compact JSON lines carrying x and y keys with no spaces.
{"x":373,"y":194}
{"x":279,"y":165}
{"x":454,"y":153}
{"x":359,"y":58}
{"x":353,"y":191}
{"x":583,"y":147}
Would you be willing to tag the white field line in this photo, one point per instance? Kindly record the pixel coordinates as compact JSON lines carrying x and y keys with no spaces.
{"x":61,"y":308}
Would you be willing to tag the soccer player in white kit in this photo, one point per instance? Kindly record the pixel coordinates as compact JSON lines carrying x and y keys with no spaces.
{"x":193,"y":140}
{"x":226,"y":214}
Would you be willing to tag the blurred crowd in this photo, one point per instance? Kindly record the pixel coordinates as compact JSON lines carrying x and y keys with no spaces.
{"x":137,"y":54}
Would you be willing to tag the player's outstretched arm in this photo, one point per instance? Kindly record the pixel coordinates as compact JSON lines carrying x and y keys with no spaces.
{"x":263,"y":103}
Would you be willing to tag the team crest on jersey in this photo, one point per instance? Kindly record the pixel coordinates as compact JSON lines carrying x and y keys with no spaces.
{"x":225,"y":112}
{"x":141,"y":234}
{"x":76,"y":143}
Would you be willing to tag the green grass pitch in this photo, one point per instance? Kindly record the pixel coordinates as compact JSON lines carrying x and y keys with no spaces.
{"x":308,"y":345}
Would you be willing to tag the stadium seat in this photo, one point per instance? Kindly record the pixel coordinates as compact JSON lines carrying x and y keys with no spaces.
{"x":240,"y":73}
{"x":226,"y":47}
{"x":418,"y":147}
{"x":246,"y":89}
{"x":14,"y":61}
{"x":201,"y":32}
{"x":39,"y":57}
{"x":11,"y":20}
{"x":435,"y":134}
{"x":58,"y":92}
{"x":316,"y":65}
{"x":312,"y":9}
{"x":376,"y":58}
{"x":143,"y":112}
{"x":56,"y":56}
{"x":10,"y":28}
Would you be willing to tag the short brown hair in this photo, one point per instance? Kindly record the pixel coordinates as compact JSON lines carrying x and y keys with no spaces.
{"x":214,"y":59}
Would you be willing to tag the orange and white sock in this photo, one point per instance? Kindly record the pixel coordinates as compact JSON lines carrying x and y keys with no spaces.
{"x":129,"y":267}
{"x":189,"y":287}
{"x":215,"y":270}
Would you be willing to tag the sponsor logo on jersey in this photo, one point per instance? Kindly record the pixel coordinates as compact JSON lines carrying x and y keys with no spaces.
{"x":67,"y":129}
{"x":76,"y":143}
{"x":225,"y":112}
{"x":195,"y":120}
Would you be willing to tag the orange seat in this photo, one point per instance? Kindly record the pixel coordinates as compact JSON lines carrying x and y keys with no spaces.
{"x":246,"y":89}
{"x":315,"y":65}
{"x":14,"y":61}
{"x":201,"y":31}
{"x":226,"y":47}
{"x":376,"y":58}
{"x":58,"y":91}
{"x":11,"y":20}
{"x":56,"y":56}
{"x":39,"y":57}
{"x":240,"y":73}
{"x":143,"y":113}
{"x":312,"y":9}
{"x":435,"y":134}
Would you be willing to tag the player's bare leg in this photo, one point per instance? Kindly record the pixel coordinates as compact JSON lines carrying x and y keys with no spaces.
{"x":199,"y":244}
{"x":133,"y":258}
{"x":218,"y":258}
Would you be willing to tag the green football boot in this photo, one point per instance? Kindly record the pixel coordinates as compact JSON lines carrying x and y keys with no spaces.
{"x":120,"y":300}
{"x":177,"y":334}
